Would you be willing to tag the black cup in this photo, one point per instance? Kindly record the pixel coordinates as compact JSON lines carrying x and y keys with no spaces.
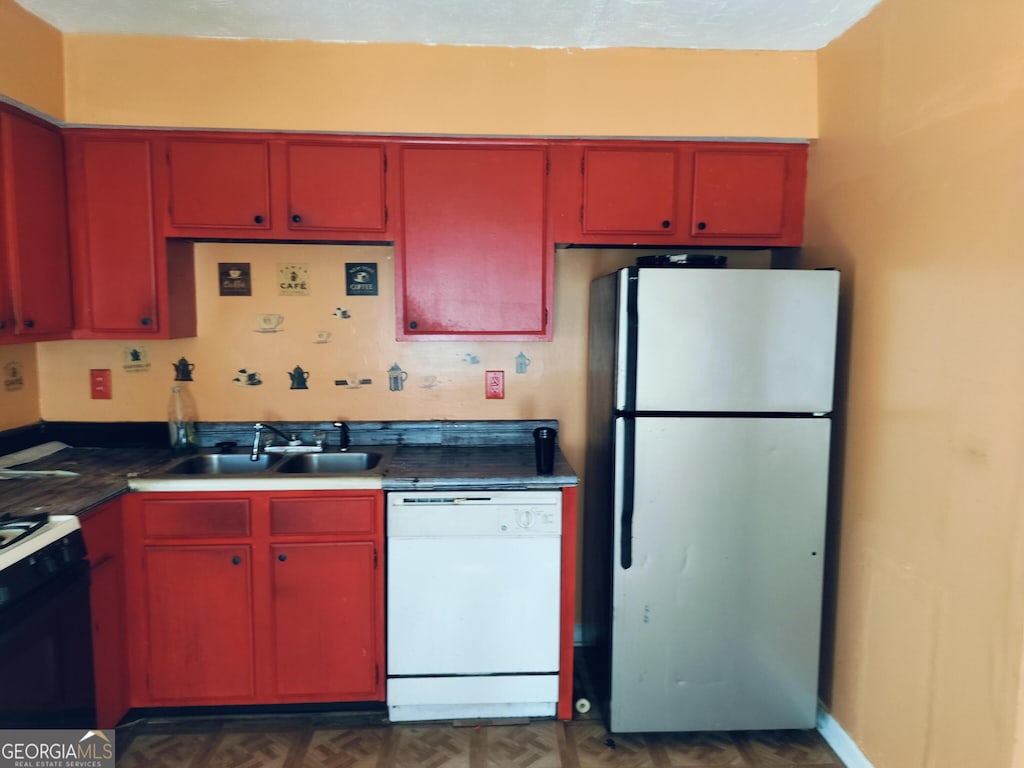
{"x":544,"y":447}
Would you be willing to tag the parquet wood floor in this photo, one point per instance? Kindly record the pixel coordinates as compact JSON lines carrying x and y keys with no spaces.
{"x":368,"y":741}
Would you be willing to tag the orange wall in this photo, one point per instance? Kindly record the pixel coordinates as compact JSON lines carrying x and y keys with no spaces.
{"x":916,"y":192}
{"x":19,"y":386}
{"x":31,"y":61}
{"x":378,"y":88}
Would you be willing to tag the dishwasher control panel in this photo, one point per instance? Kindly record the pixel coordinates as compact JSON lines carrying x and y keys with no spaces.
{"x":474,"y":513}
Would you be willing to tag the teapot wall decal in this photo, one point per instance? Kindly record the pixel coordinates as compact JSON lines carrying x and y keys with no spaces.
{"x":396,"y":378}
{"x":183,"y":370}
{"x":299,"y":377}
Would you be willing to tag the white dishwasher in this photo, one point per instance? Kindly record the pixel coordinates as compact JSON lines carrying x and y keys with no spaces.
{"x":473,"y":601}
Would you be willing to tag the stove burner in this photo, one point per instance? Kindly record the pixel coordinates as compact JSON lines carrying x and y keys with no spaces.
{"x":13,"y":531}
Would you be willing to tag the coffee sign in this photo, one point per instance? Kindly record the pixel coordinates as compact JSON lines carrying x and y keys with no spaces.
{"x":292,"y":279}
{"x":235,"y":279}
{"x":361,"y":279}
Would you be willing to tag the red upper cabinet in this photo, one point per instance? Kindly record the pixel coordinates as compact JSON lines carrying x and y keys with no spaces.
{"x":334,"y":187}
{"x":33,"y":231}
{"x":749,"y":192}
{"x":474,"y":258}
{"x":124,"y":274}
{"x":275,"y":187}
{"x":678,"y":193}
{"x":630,"y":190}
{"x":218,"y":183}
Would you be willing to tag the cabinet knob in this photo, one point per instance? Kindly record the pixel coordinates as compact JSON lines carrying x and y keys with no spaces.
{"x":282,"y":557}
{"x":30,"y":323}
{"x":146,"y":320}
{"x":258,"y":219}
{"x":666,"y":224}
{"x":412,"y":324}
{"x":702,"y":225}
{"x":296,"y":218}
{"x":236,"y":560}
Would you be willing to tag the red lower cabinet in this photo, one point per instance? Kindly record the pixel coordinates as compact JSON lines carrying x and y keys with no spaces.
{"x":318,"y":649}
{"x":199,"y":621}
{"x":103,"y":540}
{"x":254,"y":598}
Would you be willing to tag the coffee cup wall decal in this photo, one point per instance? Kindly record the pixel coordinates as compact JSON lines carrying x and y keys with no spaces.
{"x":248,"y":378}
{"x":268,"y":322}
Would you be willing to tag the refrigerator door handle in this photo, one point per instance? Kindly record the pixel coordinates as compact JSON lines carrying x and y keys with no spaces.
{"x":624,"y":461}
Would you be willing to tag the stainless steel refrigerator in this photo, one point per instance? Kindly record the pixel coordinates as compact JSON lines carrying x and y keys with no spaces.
{"x":709,"y":396}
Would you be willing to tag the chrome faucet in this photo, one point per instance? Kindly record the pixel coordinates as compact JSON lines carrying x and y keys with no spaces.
{"x":292,"y":439}
{"x":343,"y":436}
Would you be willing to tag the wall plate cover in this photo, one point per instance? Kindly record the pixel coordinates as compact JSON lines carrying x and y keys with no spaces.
{"x":99,"y":383}
{"x":494,"y":385}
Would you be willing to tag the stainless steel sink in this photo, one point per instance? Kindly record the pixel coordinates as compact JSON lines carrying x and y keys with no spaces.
{"x":223,"y":464}
{"x":331,"y":463}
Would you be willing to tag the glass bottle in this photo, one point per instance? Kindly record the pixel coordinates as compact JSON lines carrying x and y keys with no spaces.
{"x":181,"y":419}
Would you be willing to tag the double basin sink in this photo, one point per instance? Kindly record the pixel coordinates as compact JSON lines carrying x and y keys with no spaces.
{"x":229,"y":464}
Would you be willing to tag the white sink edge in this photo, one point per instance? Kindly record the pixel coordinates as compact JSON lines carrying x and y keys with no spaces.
{"x":279,"y":482}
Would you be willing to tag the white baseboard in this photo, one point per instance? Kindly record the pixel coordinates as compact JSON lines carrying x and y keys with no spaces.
{"x":844,"y":747}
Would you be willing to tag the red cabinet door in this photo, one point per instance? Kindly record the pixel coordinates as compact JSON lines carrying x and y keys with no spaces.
{"x":629,"y":190}
{"x":336,"y":187}
{"x":474,"y":259}
{"x":114,"y":245}
{"x":221,"y":183}
{"x":199,"y":623}
{"x":326,"y":607}
{"x":747,"y":193}
{"x":35,"y":235}
{"x":103,"y":538}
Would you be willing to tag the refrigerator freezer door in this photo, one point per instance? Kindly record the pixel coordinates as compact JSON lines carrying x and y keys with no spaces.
{"x":731,"y":341}
{"x":716,"y":619}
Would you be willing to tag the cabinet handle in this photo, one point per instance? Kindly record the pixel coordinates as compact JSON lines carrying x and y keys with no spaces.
{"x":296,"y":218}
{"x":145,"y":320}
{"x":702,"y":225}
{"x":236,"y":560}
{"x":282,"y":557}
{"x":412,"y":324}
{"x":258,"y":219}
{"x":3,"y":324}
{"x":666,"y":224}
{"x":30,"y":323}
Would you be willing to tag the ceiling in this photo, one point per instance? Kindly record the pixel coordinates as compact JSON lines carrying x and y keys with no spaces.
{"x":707,"y":24}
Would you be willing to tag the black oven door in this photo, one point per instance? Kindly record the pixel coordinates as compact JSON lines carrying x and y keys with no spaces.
{"x":46,"y":673}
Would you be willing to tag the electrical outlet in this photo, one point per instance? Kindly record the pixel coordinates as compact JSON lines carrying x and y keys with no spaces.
{"x":494,"y":385}
{"x":99,"y":383}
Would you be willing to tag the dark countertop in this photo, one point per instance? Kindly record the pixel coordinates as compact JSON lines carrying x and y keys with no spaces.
{"x":478,"y":466}
{"x":102,"y":476}
{"x":104,"y":471}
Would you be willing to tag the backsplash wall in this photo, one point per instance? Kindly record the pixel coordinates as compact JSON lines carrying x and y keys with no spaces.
{"x":334,"y":338}
{"x":19,"y":386}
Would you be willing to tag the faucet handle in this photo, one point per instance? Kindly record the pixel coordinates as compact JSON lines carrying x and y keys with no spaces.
{"x":343,"y":437}
{"x":319,"y":436}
